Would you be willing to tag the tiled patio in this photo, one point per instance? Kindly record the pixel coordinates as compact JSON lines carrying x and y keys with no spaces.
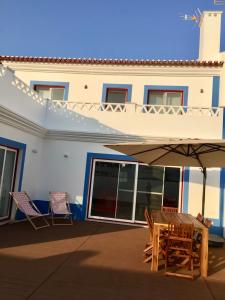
{"x":92,"y":261}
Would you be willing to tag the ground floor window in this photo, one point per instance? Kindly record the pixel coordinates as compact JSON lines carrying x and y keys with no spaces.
{"x":121,"y":190}
{"x":8,"y":158}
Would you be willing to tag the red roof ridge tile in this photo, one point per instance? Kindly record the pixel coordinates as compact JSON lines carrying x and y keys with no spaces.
{"x":106,"y":61}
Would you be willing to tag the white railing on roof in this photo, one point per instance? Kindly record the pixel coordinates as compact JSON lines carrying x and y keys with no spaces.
{"x":27,"y":90}
{"x":135,"y":108}
{"x":180,"y":110}
{"x":2,"y":71}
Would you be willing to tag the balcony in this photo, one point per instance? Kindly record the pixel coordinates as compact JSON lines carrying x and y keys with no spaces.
{"x":24,"y":108}
{"x":135,"y":119}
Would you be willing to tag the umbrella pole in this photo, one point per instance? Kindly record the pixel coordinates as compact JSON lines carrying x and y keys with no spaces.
{"x":204,"y":172}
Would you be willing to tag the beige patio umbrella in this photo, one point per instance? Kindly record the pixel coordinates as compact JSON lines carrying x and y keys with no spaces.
{"x":178,"y":152}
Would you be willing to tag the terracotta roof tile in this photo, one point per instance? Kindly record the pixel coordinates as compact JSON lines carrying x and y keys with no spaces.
{"x":133,"y":62}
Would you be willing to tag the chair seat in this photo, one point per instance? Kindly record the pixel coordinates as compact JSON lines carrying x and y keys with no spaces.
{"x":62,"y":212}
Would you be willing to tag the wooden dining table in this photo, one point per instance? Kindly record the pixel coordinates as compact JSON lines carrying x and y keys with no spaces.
{"x":162,"y":219}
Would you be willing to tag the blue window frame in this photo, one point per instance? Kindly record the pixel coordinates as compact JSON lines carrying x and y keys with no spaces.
{"x":52,"y":84}
{"x":126,"y":88}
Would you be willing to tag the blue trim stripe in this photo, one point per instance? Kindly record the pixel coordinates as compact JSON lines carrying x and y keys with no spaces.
{"x":186,"y":189}
{"x":53,"y":83}
{"x":90,"y":157}
{"x":22,"y":148}
{"x":215,"y":91}
{"x":166,"y":88}
{"x":122,"y":86}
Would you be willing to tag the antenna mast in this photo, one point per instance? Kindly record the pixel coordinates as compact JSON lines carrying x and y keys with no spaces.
{"x":195,"y":17}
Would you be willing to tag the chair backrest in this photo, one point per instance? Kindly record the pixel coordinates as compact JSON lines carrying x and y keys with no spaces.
{"x":208,"y":223}
{"x":200,"y":217}
{"x":23,"y":202}
{"x":149,"y":220}
{"x":59,"y":202}
{"x":183,"y":231}
{"x":169,"y":209}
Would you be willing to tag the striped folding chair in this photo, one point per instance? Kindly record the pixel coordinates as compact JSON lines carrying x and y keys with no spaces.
{"x":27,"y":206}
{"x":60,"y":208}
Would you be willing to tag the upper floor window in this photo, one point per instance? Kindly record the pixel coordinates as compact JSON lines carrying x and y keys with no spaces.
{"x":53,"y":90}
{"x":172,"y":98}
{"x":116,"y":95}
{"x":50,"y":92}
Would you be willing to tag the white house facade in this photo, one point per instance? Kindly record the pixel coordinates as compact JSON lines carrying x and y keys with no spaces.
{"x":56,"y":114}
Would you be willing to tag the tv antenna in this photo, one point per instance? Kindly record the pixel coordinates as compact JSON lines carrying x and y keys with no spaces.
{"x":219,"y":2}
{"x":194,"y":17}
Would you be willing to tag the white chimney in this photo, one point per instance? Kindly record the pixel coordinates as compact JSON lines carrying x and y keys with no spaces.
{"x":210,"y":29}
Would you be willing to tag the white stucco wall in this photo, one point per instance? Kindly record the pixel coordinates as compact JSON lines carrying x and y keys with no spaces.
{"x":33,"y":161}
{"x":222,"y":82}
{"x":193,"y":125}
{"x":196,"y":78}
{"x":212,"y":193}
{"x":210,"y":31}
{"x":48,"y":169}
{"x":66,"y":174}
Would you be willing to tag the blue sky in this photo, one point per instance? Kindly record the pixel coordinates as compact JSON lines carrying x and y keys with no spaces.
{"x":138,"y":29}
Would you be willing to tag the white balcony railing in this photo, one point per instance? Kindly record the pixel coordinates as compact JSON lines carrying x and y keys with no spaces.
{"x":82,"y":107}
{"x":19,"y":84}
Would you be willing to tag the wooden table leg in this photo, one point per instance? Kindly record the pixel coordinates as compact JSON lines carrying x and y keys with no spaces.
{"x":155,"y":250}
{"x":204,"y":253}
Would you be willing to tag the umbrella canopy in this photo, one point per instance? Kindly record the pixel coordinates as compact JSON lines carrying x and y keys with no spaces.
{"x":177,"y":152}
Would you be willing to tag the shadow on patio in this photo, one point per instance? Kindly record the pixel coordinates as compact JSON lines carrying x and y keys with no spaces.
{"x":92,"y":260}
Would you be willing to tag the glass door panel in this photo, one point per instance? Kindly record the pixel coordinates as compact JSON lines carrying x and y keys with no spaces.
{"x":7,"y":170}
{"x":124,"y":207}
{"x":149,"y":190}
{"x":104,"y":193}
{"x":171,"y":187}
{"x":2,"y":157}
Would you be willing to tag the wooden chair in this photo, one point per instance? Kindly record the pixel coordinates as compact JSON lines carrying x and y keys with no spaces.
{"x":149,"y":245}
{"x":169,"y":209}
{"x":197,"y":242}
{"x":200,"y":217}
{"x":208,"y":223}
{"x":179,"y":252}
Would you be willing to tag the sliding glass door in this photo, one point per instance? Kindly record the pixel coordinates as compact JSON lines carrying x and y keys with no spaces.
{"x":113,"y":190}
{"x":7,"y":174}
{"x":149,"y":189}
{"x":120,"y":191}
